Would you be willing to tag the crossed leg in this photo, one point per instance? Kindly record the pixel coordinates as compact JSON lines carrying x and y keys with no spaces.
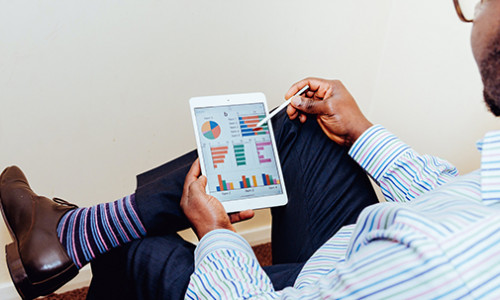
{"x":325,"y":187}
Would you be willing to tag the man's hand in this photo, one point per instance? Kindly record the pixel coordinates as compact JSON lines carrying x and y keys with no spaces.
{"x":205,"y":212}
{"x":336,"y":110}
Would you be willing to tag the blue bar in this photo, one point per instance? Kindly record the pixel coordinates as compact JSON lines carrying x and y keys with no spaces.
{"x":264,"y":179}
{"x":241,"y":184}
{"x":218,"y":189}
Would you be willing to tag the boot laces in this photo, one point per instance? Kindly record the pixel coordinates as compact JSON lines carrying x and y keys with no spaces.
{"x":64,"y":202}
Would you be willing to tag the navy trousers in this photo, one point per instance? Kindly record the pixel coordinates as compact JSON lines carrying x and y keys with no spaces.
{"x":326,"y":190}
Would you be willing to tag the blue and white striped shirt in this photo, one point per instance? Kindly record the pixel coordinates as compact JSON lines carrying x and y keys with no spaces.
{"x":437,"y":236}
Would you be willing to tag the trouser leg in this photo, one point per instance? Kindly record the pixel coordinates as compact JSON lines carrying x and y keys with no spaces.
{"x":326,"y":190}
{"x":159,"y":267}
{"x":158,"y":196}
{"x":156,"y":267}
{"x":325,"y":187}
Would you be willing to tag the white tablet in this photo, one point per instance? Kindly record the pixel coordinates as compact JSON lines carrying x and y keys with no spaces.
{"x":239,"y":160}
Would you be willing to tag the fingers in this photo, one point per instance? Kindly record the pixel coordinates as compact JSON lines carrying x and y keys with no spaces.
{"x":309,"y":106}
{"x":193,"y":173}
{"x":318,"y":88}
{"x":241,"y":216}
{"x":197,"y":187}
{"x":292,"y":112}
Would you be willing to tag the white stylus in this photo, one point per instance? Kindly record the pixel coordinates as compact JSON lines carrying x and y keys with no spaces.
{"x":277,"y":110}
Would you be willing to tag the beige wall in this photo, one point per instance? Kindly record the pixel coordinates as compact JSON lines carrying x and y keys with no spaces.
{"x":95,"y":92}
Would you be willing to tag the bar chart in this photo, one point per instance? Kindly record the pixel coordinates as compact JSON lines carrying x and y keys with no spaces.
{"x":247,"y":182}
{"x":239,"y":153}
{"x":224,"y":185}
{"x":218,"y":155}
{"x":264,"y":151}
{"x":248,"y":125}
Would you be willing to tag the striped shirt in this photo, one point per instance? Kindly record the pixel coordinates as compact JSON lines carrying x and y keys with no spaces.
{"x":437,"y":236}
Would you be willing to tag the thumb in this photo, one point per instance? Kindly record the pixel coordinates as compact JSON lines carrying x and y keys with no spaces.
{"x":200,"y":183}
{"x":308,"y":105}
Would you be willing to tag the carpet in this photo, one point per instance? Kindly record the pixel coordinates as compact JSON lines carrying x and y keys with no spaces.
{"x":262,"y":252}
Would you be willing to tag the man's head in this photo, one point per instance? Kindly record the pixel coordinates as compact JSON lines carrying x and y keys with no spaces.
{"x":485,"y":40}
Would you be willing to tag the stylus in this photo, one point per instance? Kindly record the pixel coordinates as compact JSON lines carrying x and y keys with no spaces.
{"x":277,"y":110}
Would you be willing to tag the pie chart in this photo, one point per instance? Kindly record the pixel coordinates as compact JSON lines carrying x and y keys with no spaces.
{"x":210,"y":130}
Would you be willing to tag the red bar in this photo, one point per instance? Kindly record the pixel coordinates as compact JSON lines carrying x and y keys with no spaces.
{"x":267,"y":180}
{"x":219,"y":148}
{"x":244,"y":181}
{"x":250,"y":118}
{"x":216,"y":152}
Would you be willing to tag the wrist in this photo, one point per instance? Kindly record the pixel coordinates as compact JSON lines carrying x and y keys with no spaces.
{"x":359,"y":129}
{"x":201,"y":231}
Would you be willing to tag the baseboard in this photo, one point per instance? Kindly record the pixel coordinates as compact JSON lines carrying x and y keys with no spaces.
{"x":255,"y":236}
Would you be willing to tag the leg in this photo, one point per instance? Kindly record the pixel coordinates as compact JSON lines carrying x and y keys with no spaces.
{"x":330,"y":192}
{"x":159,"y":267}
{"x":158,"y":196}
{"x":326,"y":190}
{"x":156,"y":267}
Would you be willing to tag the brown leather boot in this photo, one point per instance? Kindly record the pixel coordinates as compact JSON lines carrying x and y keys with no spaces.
{"x":38,"y":263}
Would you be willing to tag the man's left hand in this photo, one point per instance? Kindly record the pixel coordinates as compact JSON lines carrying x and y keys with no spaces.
{"x":205,"y":212}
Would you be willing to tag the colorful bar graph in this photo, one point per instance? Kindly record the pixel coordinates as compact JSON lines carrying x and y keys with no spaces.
{"x":248,"y":125}
{"x":239,"y":153}
{"x":218,"y":155}
{"x":269,"y":180}
{"x":224,"y":185}
{"x":246,"y":182}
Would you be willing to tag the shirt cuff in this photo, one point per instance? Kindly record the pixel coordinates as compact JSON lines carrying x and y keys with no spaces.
{"x":376,"y":149}
{"x":221,"y":239}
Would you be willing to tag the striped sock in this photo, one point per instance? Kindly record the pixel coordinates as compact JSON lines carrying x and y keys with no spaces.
{"x":87,"y":232}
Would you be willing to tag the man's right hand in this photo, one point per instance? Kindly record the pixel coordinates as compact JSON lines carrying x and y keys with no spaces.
{"x":336,"y":110}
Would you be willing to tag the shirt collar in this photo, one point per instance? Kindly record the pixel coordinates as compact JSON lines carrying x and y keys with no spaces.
{"x":490,"y":167}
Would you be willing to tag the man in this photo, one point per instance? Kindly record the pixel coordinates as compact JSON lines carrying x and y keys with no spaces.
{"x":438,"y":236}
{"x":132,"y":242}
{"x":225,"y":268}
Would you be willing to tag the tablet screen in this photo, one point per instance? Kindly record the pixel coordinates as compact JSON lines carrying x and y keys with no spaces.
{"x":239,"y":158}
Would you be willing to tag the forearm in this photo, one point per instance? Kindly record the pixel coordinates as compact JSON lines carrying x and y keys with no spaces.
{"x":225,"y":266}
{"x":400,"y":171}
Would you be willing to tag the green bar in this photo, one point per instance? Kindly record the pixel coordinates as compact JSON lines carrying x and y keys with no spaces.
{"x":224,"y":185}
{"x":239,"y":154}
{"x":248,"y":182}
{"x":271,"y":180}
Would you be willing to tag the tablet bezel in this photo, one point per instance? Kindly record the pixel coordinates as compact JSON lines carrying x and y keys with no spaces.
{"x":237,"y":99}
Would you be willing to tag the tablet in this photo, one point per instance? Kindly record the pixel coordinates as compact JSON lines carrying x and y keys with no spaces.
{"x":239,"y":160}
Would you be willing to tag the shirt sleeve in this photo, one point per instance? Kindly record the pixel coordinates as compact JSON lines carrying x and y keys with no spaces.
{"x":226,"y":268}
{"x":400,"y":171}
